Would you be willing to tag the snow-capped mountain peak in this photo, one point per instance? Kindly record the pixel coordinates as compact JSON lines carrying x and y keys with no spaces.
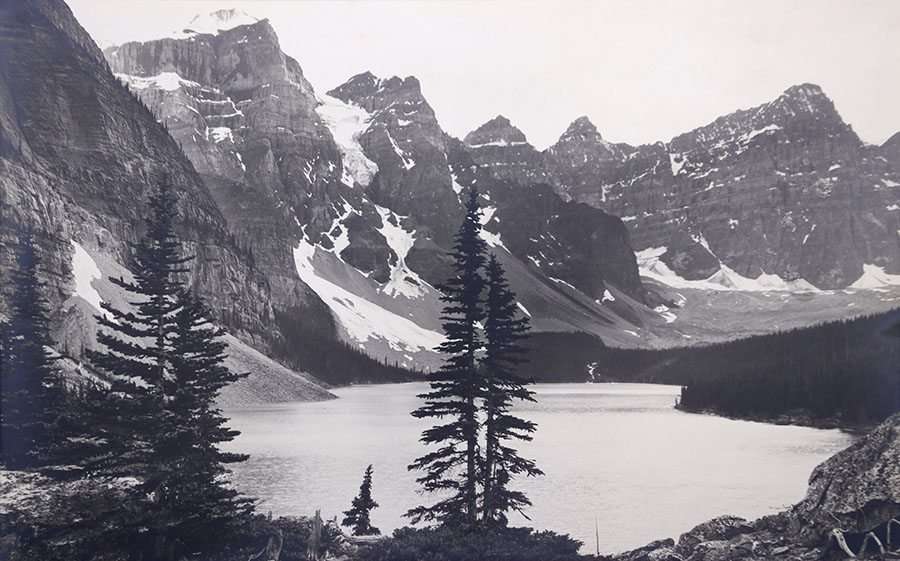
{"x":219,"y":20}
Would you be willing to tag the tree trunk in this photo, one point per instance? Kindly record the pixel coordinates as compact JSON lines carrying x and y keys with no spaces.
{"x":490,"y":445}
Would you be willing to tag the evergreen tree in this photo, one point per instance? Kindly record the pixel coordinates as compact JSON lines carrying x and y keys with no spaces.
{"x":83,"y":432}
{"x":503,"y":331}
{"x":138,"y":354}
{"x":453,"y":467}
{"x":161,"y":425}
{"x":31,"y":388}
{"x":359,"y":515}
{"x":201,"y":502}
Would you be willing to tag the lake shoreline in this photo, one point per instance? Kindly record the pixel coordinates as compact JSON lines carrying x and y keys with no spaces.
{"x":797,"y":419}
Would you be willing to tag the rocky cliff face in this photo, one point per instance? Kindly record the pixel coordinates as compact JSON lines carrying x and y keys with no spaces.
{"x":502,"y":147}
{"x":785,"y":189}
{"x":851,"y":495}
{"x":293,"y":194}
{"x":245,"y":116}
{"x":422,"y":171}
{"x":80,"y":155}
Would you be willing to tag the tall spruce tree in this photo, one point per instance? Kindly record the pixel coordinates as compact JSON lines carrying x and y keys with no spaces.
{"x":31,"y":387}
{"x":137,"y":353}
{"x":452,"y":468}
{"x":202,"y":504}
{"x":161,"y":425}
{"x":504,"y":331}
{"x":359,"y":517}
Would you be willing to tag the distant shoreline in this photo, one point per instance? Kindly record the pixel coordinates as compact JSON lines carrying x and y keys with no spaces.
{"x":798,"y":419}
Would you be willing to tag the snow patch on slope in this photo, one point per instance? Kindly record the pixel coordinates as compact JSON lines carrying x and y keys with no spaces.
{"x":167,"y":81}
{"x":86,"y":271}
{"x":213,"y":22}
{"x":676,"y":161}
{"x":403,"y":280}
{"x":875,"y":278}
{"x":490,"y":238}
{"x":347,"y":123}
{"x":754,"y":133}
{"x":501,"y":142}
{"x":523,"y":308}
{"x":651,"y":266}
{"x":406,"y":159}
{"x":361,"y":319}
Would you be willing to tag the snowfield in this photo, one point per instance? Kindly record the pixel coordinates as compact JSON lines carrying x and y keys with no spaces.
{"x":362,"y":319}
{"x":875,"y":278}
{"x":167,"y":81}
{"x":213,"y":22}
{"x":400,"y":241}
{"x":490,"y":238}
{"x":651,"y":266}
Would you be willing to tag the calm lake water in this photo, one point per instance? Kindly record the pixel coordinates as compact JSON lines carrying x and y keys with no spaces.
{"x":617,"y":453}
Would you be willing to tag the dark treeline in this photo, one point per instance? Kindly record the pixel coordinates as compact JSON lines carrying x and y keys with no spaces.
{"x":844,"y":371}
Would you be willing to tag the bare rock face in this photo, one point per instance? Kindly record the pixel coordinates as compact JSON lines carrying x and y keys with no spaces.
{"x":566,"y":242}
{"x":502,"y":147}
{"x":422,"y":173}
{"x":852,"y":494}
{"x":82,"y":155}
{"x":891,"y":150}
{"x":244,"y":114}
{"x":786,"y":188}
{"x":405,"y":140}
{"x":580,"y":156}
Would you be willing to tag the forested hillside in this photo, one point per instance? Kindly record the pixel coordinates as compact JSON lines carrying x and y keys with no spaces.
{"x":844,"y":372}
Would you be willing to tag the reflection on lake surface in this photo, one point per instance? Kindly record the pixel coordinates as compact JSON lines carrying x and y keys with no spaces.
{"x":617,"y":453}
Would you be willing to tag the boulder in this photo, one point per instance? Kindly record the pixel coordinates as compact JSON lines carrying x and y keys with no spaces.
{"x":857,"y":489}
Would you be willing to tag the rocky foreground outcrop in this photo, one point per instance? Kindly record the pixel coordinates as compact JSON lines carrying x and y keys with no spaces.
{"x":852,"y":498}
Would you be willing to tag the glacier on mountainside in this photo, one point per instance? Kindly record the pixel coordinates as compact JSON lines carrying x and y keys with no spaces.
{"x":347,"y":123}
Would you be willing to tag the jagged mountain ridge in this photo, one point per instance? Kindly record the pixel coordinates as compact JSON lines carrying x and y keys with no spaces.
{"x":345,"y":203}
{"x":369,"y":218}
{"x":786,"y":190}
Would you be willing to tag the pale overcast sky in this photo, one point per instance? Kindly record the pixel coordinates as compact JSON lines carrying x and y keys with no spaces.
{"x":641,"y":70}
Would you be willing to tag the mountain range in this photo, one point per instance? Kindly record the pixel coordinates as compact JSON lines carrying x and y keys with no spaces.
{"x":320,"y":221}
